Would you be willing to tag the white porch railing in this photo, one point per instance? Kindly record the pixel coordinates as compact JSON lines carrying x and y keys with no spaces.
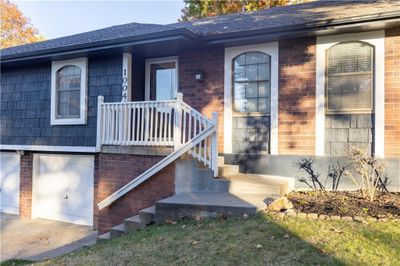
{"x":157,"y":123}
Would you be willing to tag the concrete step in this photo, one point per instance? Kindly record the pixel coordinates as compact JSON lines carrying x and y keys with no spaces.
{"x":117,"y":231}
{"x":147,"y":215}
{"x":221,"y":160}
{"x":207,"y":183}
{"x":133,"y":224}
{"x":228,"y":169}
{"x":252,"y":184}
{"x":197,"y":205}
{"x":104,"y":236}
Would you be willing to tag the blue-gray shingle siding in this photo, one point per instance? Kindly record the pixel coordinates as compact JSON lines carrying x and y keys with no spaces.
{"x":25,"y":104}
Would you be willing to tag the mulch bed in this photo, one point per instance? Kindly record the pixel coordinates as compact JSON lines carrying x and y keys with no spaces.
{"x":346,"y":203}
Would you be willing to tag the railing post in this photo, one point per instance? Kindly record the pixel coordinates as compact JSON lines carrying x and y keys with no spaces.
{"x":178,"y":121}
{"x":214,"y":144}
{"x":99,"y":133}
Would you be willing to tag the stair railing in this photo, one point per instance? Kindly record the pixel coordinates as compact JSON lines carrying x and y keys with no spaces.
{"x":157,"y":123}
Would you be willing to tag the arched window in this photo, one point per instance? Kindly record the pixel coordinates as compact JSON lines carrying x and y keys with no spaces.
{"x":68,"y":88}
{"x":350,"y":78}
{"x":252,"y":82}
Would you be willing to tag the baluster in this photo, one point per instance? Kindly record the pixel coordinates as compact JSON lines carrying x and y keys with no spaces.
{"x":162,"y":126}
{"x":112,"y":123}
{"x":184,"y":126}
{"x":134,"y":127}
{"x":156,"y":126}
{"x":146,"y":124}
{"x":109,"y":125}
{"x":142,"y":122}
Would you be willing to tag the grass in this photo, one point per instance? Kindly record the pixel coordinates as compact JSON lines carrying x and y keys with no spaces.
{"x":259,"y":240}
{"x":15,"y":262}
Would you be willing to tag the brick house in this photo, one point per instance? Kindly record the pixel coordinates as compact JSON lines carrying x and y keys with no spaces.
{"x":99,"y":125}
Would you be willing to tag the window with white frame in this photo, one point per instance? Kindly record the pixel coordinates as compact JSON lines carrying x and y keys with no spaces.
{"x":68,"y":92}
{"x":350,"y":78}
{"x":252,"y":82}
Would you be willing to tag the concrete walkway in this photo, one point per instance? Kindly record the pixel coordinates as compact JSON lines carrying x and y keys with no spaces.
{"x":38,"y":239}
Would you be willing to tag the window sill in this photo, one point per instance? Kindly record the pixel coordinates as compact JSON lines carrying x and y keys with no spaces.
{"x":349,"y":112}
{"x":68,"y":121}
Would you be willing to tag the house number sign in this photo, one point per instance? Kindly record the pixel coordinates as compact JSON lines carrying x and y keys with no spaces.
{"x":124,"y":85}
{"x":126,"y":77}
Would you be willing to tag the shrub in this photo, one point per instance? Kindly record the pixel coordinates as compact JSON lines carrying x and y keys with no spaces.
{"x":367,"y":172}
{"x":334,"y":174}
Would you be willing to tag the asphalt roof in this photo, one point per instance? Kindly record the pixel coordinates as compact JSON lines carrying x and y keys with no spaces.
{"x":300,"y":15}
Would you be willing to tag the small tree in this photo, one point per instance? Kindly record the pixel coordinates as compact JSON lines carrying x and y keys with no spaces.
{"x":367,"y":172}
{"x":15,"y":28}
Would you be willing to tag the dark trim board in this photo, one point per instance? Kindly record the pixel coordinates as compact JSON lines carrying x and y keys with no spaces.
{"x":285,"y":165}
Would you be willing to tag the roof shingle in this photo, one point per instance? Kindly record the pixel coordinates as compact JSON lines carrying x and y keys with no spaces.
{"x":300,"y":15}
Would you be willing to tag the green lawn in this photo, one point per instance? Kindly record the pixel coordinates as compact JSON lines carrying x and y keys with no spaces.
{"x":259,"y":240}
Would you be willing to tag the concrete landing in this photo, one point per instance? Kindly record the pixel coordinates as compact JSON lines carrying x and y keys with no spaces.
{"x":39,"y":239}
{"x":208,"y":204}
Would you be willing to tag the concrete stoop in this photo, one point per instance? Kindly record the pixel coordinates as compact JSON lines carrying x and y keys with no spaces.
{"x":131,"y":224}
{"x":207,"y":204}
{"x":201,"y":195}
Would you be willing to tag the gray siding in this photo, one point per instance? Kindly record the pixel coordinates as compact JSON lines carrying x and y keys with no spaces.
{"x":342,"y":131}
{"x":250,"y":134}
{"x":25,"y":104}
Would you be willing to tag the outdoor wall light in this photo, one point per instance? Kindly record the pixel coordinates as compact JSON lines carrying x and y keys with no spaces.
{"x":199,"y":76}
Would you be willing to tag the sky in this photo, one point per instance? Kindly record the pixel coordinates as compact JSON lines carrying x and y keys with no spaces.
{"x":55,"y":18}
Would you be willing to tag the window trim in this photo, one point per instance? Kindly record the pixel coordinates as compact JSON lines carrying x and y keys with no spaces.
{"x":82,"y":63}
{"x":148,"y":62}
{"x":351,"y":111}
{"x":375,"y":38}
{"x":256,"y":113}
{"x":272,"y":49}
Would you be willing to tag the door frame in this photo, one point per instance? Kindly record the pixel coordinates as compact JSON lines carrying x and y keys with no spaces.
{"x":272,"y":49}
{"x":148,"y":62}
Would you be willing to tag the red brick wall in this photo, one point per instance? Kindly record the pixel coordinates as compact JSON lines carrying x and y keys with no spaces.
{"x":392,"y":93}
{"x":25,"y":186}
{"x":207,"y":96}
{"x":112,"y":171}
{"x":296,"y":130}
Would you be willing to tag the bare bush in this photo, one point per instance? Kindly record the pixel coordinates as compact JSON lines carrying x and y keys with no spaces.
{"x":313,"y":182}
{"x":334,"y":174}
{"x":367,"y":172}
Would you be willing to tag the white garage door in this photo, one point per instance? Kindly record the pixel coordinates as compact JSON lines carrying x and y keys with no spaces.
{"x":63,"y":188}
{"x":9,"y":182}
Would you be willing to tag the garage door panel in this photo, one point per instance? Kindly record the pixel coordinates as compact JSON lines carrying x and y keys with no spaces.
{"x":63,"y":188}
{"x":9,"y":182}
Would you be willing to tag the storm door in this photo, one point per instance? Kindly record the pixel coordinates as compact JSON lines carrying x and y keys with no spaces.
{"x":251,"y":83}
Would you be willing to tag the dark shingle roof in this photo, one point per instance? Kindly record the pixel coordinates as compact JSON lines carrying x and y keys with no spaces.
{"x":110,"y":33}
{"x":301,"y":15}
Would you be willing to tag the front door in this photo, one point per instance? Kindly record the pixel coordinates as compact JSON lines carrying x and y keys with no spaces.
{"x":251,"y":84}
{"x":161,"y":79}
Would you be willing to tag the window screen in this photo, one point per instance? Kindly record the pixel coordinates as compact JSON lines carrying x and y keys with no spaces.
{"x":252,"y":82}
{"x":68,"y":87}
{"x":350,"y":77}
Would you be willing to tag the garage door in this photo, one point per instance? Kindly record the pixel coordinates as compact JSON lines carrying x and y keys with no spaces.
{"x":9,"y":182}
{"x":63,"y":188}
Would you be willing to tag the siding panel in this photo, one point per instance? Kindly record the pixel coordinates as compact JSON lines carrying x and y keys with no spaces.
{"x":25,"y":104}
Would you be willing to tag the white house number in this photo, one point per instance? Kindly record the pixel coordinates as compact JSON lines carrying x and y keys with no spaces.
{"x":124,"y":86}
